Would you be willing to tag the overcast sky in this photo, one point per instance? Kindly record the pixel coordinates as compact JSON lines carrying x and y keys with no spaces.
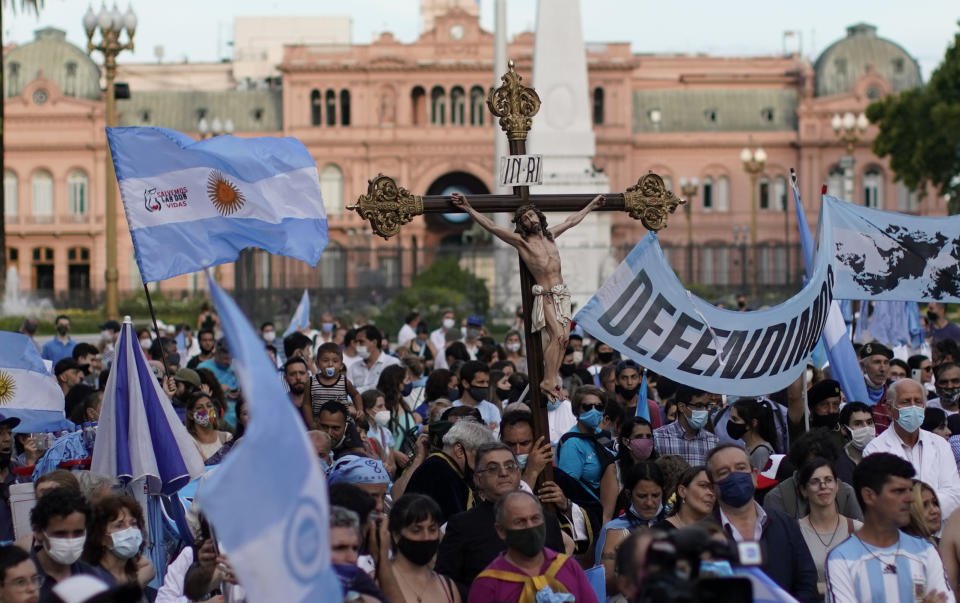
{"x":201,"y":29}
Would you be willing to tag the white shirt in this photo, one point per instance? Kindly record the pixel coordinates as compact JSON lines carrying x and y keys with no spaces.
{"x":932,"y":459}
{"x":439,"y":339}
{"x":560,"y":421}
{"x":172,"y":589}
{"x":935,"y":403}
{"x":489,"y":412}
{"x":406,"y":334}
{"x":732,"y":529}
{"x":364,"y":378}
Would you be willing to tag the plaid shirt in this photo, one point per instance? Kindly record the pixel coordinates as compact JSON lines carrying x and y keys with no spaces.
{"x":672,"y":439}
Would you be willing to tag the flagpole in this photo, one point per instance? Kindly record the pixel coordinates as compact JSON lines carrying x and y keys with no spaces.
{"x":156,"y":329}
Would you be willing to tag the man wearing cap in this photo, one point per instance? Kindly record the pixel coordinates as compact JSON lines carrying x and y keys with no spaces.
{"x":61,"y":346}
{"x":930,"y":454}
{"x":187,"y":382}
{"x":875,"y":362}
{"x":823,"y":402}
{"x":69,"y":373}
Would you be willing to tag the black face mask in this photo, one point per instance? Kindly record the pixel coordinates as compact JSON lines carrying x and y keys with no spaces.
{"x":829,"y":421}
{"x":932,"y":316}
{"x":567,"y":370}
{"x":604,"y":357}
{"x":418,"y":552}
{"x":736,"y":430}
{"x":504,"y":394}
{"x":627,"y":394}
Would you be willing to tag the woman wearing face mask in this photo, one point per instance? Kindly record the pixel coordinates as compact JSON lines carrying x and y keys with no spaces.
{"x":395,"y":384}
{"x":824,"y":527}
{"x":643,"y":487}
{"x":513,"y":344}
{"x":201,"y":423}
{"x":635,"y":444}
{"x":694,"y":500}
{"x":752,"y":422}
{"x":115,"y":541}
{"x":414,"y":527}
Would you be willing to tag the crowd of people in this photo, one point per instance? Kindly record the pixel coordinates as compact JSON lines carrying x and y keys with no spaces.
{"x":444,"y":485}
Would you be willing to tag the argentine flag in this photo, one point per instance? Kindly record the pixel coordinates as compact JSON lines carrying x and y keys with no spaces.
{"x":301,"y":316}
{"x":194,"y":204}
{"x":28,"y":390}
{"x":267,"y":500}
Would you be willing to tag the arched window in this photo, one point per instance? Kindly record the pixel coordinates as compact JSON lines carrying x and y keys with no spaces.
{"x":331,"y":107}
{"x":835,"y":182}
{"x":707,"y":194}
{"x":458,"y":101}
{"x":780,"y":193}
{"x":344,"y":107}
{"x":763,"y":192}
{"x":598,"y":106}
{"x":42,"y":185}
{"x":418,"y":104}
{"x":11,"y":194}
{"x":316,"y":108}
{"x":13,"y":78}
{"x":78,"y":186}
{"x":873,"y":187}
{"x":723,"y":195}
{"x":438,"y":106}
{"x":70,"y":81}
{"x":477,"y":106}
{"x":331,"y":187}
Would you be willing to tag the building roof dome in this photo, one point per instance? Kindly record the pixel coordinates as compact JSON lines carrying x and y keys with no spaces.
{"x":51,"y":55}
{"x":849,"y":58}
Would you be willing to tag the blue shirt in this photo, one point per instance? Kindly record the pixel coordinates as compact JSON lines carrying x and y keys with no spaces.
{"x":577,"y":458}
{"x":488,"y":412}
{"x":54,"y":351}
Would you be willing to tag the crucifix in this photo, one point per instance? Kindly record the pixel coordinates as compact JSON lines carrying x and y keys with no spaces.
{"x":388,"y":207}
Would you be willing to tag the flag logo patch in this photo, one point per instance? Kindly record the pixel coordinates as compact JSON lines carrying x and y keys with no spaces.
{"x":224,"y":195}
{"x":8,"y":387}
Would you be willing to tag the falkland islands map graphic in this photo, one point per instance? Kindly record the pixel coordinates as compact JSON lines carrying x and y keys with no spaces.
{"x":923,"y":264}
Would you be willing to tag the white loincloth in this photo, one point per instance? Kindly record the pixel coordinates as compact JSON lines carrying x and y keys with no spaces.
{"x":560,"y":295}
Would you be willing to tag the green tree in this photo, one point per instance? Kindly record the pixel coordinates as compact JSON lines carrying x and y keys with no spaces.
{"x":920,"y":131}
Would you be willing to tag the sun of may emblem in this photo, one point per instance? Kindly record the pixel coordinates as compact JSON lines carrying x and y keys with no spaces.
{"x":8,"y":387}
{"x":224,"y":195}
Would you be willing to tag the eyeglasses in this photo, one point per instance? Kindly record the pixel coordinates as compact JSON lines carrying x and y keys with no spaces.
{"x":24,"y":583}
{"x":496,"y":469}
{"x":589,"y":407}
{"x":826,"y":482}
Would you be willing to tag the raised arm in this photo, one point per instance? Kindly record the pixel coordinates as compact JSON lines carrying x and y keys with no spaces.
{"x":574,"y":219}
{"x":509,"y":236}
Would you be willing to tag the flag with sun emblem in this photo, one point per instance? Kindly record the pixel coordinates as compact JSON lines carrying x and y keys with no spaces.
{"x":28,"y":390}
{"x":193,"y":204}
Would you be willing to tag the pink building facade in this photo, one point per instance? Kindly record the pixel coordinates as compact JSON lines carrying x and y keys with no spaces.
{"x":417,"y":112}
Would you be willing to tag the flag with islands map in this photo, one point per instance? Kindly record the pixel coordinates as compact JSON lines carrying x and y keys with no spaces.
{"x":881,"y":255}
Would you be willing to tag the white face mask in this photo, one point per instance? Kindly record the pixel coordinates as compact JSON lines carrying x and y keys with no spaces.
{"x":126,"y":543}
{"x":363,"y":352}
{"x":513,"y":346}
{"x":447,"y":323}
{"x":145,"y":343}
{"x":381,"y":418}
{"x":270,"y":336}
{"x":577,"y":357}
{"x":106,"y":335}
{"x":861,"y":436}
{"x":65,"y":551}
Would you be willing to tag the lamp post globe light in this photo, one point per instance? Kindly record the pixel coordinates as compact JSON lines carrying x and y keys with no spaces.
{"x":111,"y":24}
{"x":753,"y":163}
{"x":849,"y":130}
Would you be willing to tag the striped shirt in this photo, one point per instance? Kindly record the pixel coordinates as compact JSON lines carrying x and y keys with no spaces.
{"x":320,"y":393}
{"x":672,"y":439}
{"x":907,"y":571}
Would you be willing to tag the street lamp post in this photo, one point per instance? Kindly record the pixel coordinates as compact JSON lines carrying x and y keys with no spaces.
{"x":740,"y":239}
{"x":849,"y":129}
{"x":689,"y":190}
{"x":111,"y":23}
{"x":753,"y":164}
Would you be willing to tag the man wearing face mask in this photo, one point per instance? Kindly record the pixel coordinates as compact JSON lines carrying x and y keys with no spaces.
{"x":604,"y":356}
{"x":629,"y":374}
{"x":856,"y":420}
{"x":938,"y":327}
{"x":948,"y":388}
{"x":786,"y":557}
{"x":687,"y":435}
{"x":61,"y":346}
{"x":475,"y":385}
{"x":447,"y":476}
{"x":929,"y":453}
{"x":823,"y":400}
{"x":448,"y":322}
{"x":328,"y":327}
{"x":520,"y":522}
{"x":59,"y":522}
{"x":470,"y":542}
{"x":365,"y":374}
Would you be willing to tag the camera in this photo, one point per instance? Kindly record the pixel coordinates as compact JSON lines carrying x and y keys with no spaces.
{"x":690,"y":565}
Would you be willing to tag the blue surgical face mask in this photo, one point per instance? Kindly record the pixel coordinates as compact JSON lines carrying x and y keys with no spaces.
{"x":698,"y":419}
{"x":720,"y":569}
{"x":553,"y":405}
{"x":330,"y":371}
{"x":591,"y":418}
{"x":522,"y":460}
{"x":736,"y":489}
{"x":911,"y":418}
{"x":326,"y":327}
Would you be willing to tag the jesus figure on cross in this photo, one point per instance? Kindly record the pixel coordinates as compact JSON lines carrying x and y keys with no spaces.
{"x":551,"y":307}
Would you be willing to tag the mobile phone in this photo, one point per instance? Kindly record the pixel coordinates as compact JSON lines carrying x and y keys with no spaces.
{"x":917,"y":375}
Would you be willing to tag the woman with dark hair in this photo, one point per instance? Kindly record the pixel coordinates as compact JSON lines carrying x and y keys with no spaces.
{"x":513,"y":347}
{"x":636,"y":444}
{"x":824,"y":527}
{"x":115,"y":540}
{"x":456,"y":351}
{"x":395,"y":383}
{"x":752,"y":422}
{"x":441,"y":383}
{"x":935,"y":421}
{"x":414,"y":527}
{"x":243,"y":418}
{"x":201,"y":423}
{"x":694,"y":499}
{"x":643,"y":485}
{"x":210,"y":385}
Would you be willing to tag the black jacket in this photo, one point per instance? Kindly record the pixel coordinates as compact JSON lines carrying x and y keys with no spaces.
{"x":471,"y":542}
{"x":441,"y":479}
{"x":786,"y":558}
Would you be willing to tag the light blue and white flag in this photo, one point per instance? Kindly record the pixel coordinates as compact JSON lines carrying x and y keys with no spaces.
{"x":268,"y":499}
{"x":194,"y":204}
{"x":765,"y":590}
{"x":882,"y":255}
{"x":643,"y":409}
{"x":28,"y":389}
{"x":182,"y":349}
{"x":844,"y":366}
{"x":643,"y":311}
{"x":139,"y":434}
{"x":301,"y":316}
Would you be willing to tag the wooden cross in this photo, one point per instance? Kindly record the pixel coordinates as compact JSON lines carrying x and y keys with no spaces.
{"x":388,"y":207}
